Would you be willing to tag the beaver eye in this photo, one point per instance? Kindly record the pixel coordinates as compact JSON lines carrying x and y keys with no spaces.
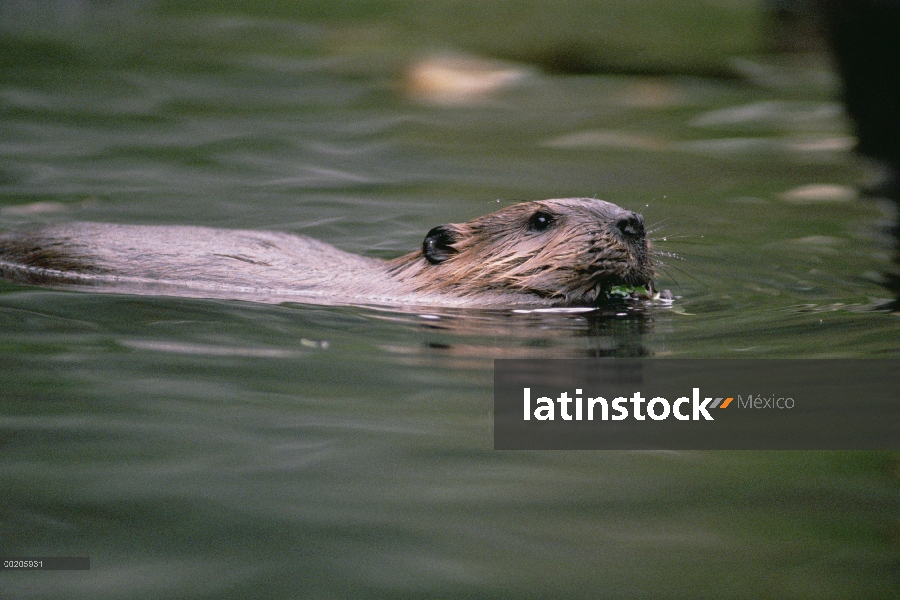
{"x":540,"y":221}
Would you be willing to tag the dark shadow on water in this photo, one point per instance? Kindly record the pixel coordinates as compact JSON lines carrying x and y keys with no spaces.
{"x":619,"y":329}
{"x":892,"y":274}
{"x":862,"y":36}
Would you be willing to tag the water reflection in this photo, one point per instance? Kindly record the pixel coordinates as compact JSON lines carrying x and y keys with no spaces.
{"x":467,"y":338}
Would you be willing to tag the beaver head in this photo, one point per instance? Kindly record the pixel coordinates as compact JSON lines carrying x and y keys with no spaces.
{"x":565,"y":251}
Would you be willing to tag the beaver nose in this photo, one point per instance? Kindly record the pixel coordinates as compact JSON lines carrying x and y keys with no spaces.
{"x":631,"y":226}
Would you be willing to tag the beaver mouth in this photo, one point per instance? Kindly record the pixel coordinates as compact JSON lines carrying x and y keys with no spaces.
{"x":642,"y":291}
{"x":626,"y":287}
{"x":635,"y":282}
{"x":624,"y":270}
{"x":601,"y":287}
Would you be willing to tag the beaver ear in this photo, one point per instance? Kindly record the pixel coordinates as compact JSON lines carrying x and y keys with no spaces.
{"x":438,"y":244}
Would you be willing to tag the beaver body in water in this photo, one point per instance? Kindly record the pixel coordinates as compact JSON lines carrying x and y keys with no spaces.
{"x":564,"y":252}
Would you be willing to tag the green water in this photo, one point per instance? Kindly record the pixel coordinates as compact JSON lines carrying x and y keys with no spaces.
{"x":213,"y":449}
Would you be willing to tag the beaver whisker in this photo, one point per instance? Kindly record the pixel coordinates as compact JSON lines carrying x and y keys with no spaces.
{"x":658,"y":225}
{"x":674,"y":238}
{"x":669,"y":268}
{"x":668,"y":254}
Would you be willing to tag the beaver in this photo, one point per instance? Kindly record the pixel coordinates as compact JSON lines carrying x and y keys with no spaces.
{"x":559,"y":252}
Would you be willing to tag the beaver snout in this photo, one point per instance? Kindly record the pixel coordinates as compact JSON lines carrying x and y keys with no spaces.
{"x":631,"y":226}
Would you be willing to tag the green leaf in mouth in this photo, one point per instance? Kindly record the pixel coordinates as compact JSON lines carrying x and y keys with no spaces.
{"x":629,"y":291}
